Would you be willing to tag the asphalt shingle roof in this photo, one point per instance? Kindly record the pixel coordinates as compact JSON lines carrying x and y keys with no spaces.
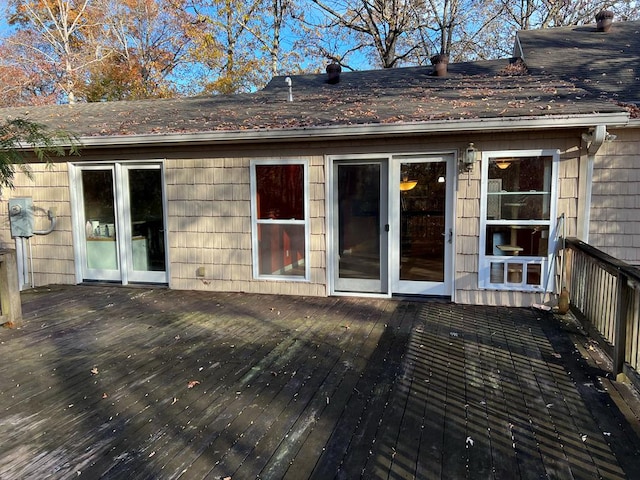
{"x":478,"y":90}
{"x":606,"y":64}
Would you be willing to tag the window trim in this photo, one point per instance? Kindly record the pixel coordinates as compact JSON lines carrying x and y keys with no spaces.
{"x":485,"y":261}
{"x":255,"y":221}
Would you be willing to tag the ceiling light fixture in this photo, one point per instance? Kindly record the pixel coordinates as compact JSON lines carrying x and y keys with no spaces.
{"x":406,"y":184}
{"x":503,"y":163}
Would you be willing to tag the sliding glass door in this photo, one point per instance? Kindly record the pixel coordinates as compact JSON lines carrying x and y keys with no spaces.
{"x":392,"y":224}
{"x":120,"y":223}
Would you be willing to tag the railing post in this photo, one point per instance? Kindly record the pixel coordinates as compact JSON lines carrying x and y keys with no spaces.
{"x":10,"y":301}
{"x":620,"y":333}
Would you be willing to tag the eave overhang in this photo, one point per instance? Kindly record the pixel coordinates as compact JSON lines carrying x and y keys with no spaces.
{"x":374,"y":130}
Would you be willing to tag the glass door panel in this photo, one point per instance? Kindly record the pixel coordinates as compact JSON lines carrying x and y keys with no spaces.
{"x":122,"y":223}
{"x":146,"y":246}
{"x":423,"y":238}
{"x":99,"y":221}
{"x":360,"y":210}
{"x":422,"y":221}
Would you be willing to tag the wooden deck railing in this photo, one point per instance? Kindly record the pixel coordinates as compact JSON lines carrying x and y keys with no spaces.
{"x":605,"y":296}
{"x":10,"y":306}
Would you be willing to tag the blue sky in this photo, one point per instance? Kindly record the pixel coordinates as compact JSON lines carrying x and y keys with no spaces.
{"x":4,"y":28}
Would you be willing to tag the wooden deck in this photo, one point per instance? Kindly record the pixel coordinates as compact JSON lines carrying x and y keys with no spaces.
{"x":134,"y":383}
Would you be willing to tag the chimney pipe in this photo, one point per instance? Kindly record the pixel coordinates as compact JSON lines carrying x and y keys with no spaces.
{"x":333,"y":73}
{"x":440,"y":64}
{"x":604,"y":19}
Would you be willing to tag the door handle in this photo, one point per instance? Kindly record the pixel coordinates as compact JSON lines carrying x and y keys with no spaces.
{"x":450,"y":239}
{"x":386,"y":227}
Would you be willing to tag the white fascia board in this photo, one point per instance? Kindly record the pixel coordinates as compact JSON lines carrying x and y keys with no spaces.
{"x":368,"y":130}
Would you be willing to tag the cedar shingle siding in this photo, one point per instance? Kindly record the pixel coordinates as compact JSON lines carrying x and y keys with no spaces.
{"x":207,"y":144}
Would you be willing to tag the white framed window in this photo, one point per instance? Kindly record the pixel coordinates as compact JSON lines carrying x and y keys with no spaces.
{"x":517,"y":219}
{"x":279,"y":219}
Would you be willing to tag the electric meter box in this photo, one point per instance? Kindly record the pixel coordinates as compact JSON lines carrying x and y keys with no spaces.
{"x":21,"y":216}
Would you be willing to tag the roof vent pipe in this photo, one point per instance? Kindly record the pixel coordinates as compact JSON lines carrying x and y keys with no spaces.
{"x":333,"y":73}
{"x":440,"y":64}
{"x":604,"y":19}
{"x":288,"y":82}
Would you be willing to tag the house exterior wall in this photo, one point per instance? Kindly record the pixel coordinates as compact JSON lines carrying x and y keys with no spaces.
{"x":468,"y":211}
{"x":52,"y":255}
{"x":615,"y":203}
{"x":209,"y":220}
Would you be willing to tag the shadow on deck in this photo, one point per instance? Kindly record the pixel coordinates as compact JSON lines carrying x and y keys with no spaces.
{"x":113,"y":382}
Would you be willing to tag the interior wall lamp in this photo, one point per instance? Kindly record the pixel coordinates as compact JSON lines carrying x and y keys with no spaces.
{"x":469,"y":156}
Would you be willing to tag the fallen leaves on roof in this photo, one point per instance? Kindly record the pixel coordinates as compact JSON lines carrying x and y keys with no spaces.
{"x":362,"y":98}
{"x":633,"y":109}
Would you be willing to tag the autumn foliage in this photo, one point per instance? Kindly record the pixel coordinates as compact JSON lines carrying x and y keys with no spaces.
{"x":66,"y":51}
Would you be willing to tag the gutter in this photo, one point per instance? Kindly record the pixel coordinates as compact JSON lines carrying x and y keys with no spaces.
{"x":594,"y":140}
{"x":358,"y":131}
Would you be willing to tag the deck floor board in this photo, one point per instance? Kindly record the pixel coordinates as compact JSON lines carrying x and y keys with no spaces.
{"x":95,"y":383}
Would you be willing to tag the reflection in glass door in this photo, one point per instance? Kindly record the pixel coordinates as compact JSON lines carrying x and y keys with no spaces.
{"x":122,"y":223}
{"x":360,"y":223}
